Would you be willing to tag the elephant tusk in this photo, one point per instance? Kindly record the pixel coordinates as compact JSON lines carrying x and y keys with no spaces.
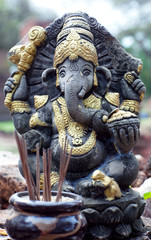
{"x":82,"y":93}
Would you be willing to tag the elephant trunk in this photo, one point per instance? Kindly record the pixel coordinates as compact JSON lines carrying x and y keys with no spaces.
{"x":73,"y":97}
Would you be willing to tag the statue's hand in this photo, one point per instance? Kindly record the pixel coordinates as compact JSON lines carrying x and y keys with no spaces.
{"x":138,"y":86}
{"x":133,"y":90}
{"x":9,"y":85}
{"x":66,"y":187}
{"x":32,"y":137}
{"x":99,"y":120}
{"x":126,"y":137}
{"x":20,"y":92}
{"x":87,"y":188}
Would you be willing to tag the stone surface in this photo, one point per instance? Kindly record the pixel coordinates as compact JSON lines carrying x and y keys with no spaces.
{"x":11,"y":180}
{"x":147,"y":210}
{"x":147,"y":167}
{"x":141,"y":177}
{"x":147,"y":234}
{"x":3,"y":216}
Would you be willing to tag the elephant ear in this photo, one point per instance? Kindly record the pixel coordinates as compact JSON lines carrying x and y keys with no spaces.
{"x":104,"y":80}
{"x":49,"y":82}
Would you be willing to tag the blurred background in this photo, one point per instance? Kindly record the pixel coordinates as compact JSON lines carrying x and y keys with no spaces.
{"x":128,"y":20}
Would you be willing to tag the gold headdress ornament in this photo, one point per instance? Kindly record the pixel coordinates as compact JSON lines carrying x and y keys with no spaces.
{"x":74,"y":47}
{"x":75,"y":40}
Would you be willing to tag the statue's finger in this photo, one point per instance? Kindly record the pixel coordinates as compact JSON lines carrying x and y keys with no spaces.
{"x":131,"y":135}
{"x":142,"y":90}
{"x":116,"y":137}
{"x":123,"y":136}
{"x":7,"y":89}
{"x":136,"y":133}
{"x":135,"y":82}
{"x":139,"y":85}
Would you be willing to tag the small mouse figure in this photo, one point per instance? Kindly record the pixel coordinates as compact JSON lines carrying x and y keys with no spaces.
{"x":112,"y":189}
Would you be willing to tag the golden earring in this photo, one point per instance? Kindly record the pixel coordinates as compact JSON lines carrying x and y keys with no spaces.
{"x":57,"y":78}
{"x":95,"y":79}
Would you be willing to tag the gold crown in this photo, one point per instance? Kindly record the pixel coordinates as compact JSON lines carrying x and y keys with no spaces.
{"x":74,"y":47}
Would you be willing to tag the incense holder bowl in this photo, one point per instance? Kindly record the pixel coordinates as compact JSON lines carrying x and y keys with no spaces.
{"x":46,"y":220}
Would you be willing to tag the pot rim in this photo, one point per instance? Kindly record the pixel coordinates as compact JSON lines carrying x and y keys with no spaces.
{"x":46,"y":207}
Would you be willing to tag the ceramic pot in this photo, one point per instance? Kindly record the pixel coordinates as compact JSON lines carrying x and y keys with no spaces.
{"x":46,"y":220}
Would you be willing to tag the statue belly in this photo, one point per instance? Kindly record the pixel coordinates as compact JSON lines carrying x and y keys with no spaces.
{"x":81,"y":162}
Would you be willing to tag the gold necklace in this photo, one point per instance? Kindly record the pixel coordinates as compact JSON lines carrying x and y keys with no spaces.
{"x":75,"y":130}
{"x":62,"y":118}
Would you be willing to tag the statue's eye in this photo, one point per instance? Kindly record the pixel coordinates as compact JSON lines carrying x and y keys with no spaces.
{"x":62,"y":73}
{"x":86,"y":72}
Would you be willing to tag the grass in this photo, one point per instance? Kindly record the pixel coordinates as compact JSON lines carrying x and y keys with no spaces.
{"x":7,"y":140}
{"x":9,"y":148}
{"x":7,"y":127}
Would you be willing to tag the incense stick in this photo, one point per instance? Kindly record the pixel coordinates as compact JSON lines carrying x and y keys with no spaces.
{"x":23,"y":156}
{"x":64,"y":163}
{"x":49,"y":178}
{"x":34,"y":191}
{"x":38,"y":171}
{"x":45,"y":178}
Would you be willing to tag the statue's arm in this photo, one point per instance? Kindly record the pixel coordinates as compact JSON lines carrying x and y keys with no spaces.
{"x":133,"y":91}
{"x":40,"y":124}
{"x":33,"y":122}
{"x":123,"y":124}
{"x":19,"y":106}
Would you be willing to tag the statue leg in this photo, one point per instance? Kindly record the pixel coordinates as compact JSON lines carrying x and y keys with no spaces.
{"x":123,"y":168}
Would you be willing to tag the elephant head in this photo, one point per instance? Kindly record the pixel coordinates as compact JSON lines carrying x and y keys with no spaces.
{"x":76,"y":82}
{"x":76,"y":64}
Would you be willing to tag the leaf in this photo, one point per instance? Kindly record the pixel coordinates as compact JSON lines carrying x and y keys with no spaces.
{"x":147,"y":195}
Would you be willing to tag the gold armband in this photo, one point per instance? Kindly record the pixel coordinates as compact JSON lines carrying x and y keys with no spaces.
{"x":20,"y":107}
{"x":54,"y":178}
{"x":34,"y":121}
{"x":131,"y":105}
{"x":40,"y":101}
{"x":113,"y":98}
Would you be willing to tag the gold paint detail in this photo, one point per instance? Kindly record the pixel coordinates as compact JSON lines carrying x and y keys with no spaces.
{"x":121,"y":114}
{"x":54,"y":178}
{"x":40,"y":100}
{"x":74,"y":47}
{"x":8,"y":97}
{"x":65,"y":32}
{"x":20,"y":107}
{"x":57,"y":77}
{"x":76,"y":22}
{"x":139,"y":69}
{"x":113,"y":98}
{"x":66,"y":125}
{"x":34,"y":121}
{"x":131,"y":105}
{"x":95,"y":82}
{"x":23,"y":57}
{"x":92,"y":102}
{"x":112,"y":189}
{"x":142,"y":96}
{"x":104,"y":118}
{"x":129,"y":77}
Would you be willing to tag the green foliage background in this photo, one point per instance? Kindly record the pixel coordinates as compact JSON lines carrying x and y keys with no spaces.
{"x":138,"y":31}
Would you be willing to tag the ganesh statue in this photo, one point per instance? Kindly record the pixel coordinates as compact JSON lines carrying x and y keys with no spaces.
{"x":74,"y":81}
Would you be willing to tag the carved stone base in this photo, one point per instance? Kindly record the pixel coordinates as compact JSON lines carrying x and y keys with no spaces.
{"x":117,"y":219}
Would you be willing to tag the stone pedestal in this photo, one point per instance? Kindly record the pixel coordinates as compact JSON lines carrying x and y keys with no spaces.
{"x":117,"y":219}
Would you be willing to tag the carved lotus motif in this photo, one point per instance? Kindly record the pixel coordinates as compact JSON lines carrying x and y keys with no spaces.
{"x":111,"y":215}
